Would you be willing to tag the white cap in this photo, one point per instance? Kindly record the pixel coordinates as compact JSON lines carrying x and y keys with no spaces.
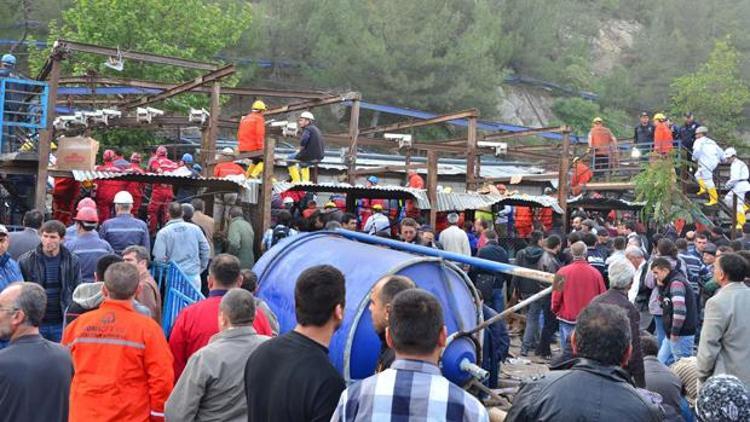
{"x":307,"y":115}
{"x":701,"y":129}
{"x":227,"y":151}
{"x":729,"y":152}
{"x":123,"y":197}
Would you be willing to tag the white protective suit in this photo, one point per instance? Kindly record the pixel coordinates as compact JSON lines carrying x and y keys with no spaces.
{"x":707,"y":154}
{"x":738,"y":184}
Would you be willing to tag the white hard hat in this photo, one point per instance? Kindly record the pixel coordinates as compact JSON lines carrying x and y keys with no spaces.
{"x":307,"y":115}
{"x":701,"y":129}
{"x":288,"y":200}
{"x":227,"y":151}
{"x":123,"y":197}
{"x":729,"y":152}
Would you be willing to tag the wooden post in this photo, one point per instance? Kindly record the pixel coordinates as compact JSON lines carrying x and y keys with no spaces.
{"x":353,"y":135}
{"x":471,"y":154}
{"x":562,"y":185}
{"x":45,"y":139}
{"x":734,"y":217}
{"x":267,"y":186}
{"x":432,"y":181}
{"x":210,"y":133}
{"x":407,"y":162}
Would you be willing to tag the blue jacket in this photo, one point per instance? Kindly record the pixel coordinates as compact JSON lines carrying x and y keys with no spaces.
{"x":10,"y":272}
{"x":183,"y":243}
{"x":71,"y":232}
{"x":125,"y":230}
{"x":89,"y":247}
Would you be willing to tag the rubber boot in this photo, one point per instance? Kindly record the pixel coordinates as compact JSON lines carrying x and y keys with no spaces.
{"x":257,"y":170}
{"x":713,"y":197}
{"x":702,"y":190}
{"x":249,"y":170}
{"x":294,"y":173}
{"x":741,"y":220}
{"x":746,"y":207}
{"x":306,"y":174}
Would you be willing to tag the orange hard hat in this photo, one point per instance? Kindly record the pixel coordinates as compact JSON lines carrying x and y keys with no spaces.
{"x":88,"y":215}
{"x":86,"y":203}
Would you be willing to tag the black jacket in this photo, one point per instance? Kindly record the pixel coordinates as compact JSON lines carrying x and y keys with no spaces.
{"x":32,"y":268}
{"x":687,"y":135}
{"x":644,"y":135}
{"x":584,"y":390}
{"x":528,"y":258}
{"x":313,"y":146}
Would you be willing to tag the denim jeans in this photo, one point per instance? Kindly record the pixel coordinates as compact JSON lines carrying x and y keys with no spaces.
{"x":565,"y":331}
{"x":548,"y":330}
{"x":498,"y":299}
{"x":671,"y":352}
{"x":531,"y":334}
{"x":51,"y":332}
{"x":660,"y":332}
{"x":686,"y":411}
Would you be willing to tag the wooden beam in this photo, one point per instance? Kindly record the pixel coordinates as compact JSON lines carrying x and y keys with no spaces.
{"x":353,"y":135}
{"x":208,"y":144}
{"x":67,"y":46}
{"x":432,"y":181}
{"x":45,"y":139}
{"x":471,"y":155}
{"x":267,"y":184}
{"x":213,"y":76}
{"x":304,"y":105}
{"x":562,"y":184}
{"x":521,"y":134}
{"x":389,"y":169}
{"x":419,"y":123}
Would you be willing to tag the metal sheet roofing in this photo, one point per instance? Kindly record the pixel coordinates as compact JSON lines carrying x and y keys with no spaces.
{"x":605,"y":203}
{"x":460,"y":201}
{"x":387,"y":191}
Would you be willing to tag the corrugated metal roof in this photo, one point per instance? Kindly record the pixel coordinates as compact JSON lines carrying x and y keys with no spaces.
{"x":420,"y":195}
{"x":602,"y":202}
{"x":460,"y":201}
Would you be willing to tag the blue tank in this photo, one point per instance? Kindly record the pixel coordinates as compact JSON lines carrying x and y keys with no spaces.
{"x":355,"y":347}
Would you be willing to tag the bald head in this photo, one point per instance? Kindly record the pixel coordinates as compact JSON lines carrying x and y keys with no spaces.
{"x":382,"y":295}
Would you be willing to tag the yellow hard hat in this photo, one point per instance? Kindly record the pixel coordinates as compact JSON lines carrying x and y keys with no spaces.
{"x":597,"y":120}
{"x":259,"y":105}
{"x":660,"y":117}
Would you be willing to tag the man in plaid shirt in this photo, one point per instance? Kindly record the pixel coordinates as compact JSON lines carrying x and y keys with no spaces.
{"x":413,"y":388}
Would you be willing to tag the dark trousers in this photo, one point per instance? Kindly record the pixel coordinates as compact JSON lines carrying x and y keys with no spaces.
{"x":548,"y":330}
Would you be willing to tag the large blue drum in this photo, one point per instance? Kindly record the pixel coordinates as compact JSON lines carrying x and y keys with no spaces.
{"x":355,"y":347}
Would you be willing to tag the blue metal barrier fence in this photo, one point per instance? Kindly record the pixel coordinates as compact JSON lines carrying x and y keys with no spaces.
{"x":178,"y":292}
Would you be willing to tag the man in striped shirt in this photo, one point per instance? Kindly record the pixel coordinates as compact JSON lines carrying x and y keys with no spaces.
{"x":680,"y":311}
{"x":412,"y":389}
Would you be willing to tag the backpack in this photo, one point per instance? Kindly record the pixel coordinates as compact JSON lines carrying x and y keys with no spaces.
{"x":279,"y":232}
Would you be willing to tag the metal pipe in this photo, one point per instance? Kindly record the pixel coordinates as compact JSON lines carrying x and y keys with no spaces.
{"x":503,"y":314}
{"x":482,"y":264}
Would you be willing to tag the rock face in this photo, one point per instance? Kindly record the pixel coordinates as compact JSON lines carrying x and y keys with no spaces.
{"x":611,"y":46}
{"x":525,"y":106}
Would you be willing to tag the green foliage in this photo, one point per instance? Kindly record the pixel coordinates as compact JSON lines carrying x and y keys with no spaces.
{"x":716,"y":92}
{"x":657,"y":186}
{"x":578,"y":114}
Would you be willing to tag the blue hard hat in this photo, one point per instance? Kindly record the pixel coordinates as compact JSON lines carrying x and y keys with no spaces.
{"x":9,"y":58}
{"x":187,"y":158}
{"x":373,"y":179}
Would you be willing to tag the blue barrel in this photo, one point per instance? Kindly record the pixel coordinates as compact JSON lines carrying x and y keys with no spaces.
{"x":355,"y":347}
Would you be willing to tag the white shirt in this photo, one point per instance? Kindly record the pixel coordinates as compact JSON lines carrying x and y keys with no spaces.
{"x":455,"y":240}
{"x":377,"y":223}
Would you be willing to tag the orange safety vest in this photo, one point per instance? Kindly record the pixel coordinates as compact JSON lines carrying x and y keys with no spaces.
{"x":601,"y":140}
{"x":581,"y":175}
{"x":252,"y":132}
{"x":227,"y":168}
{"x":662,"y":138}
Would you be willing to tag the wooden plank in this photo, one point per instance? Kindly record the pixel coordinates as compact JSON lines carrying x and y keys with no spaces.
{"x":45,"y":139}
{"x":471,"y":155}
{"x":267,"y":186}
{"x":353,"y":135}
{"x":432,"y":182}
{"x":562,"y":186}
{"x":419,"y":123}
{"x":212,"y":131}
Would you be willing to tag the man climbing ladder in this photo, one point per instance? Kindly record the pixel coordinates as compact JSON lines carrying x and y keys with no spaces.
{"x":707,"y":154}
{"x":737,"y":184}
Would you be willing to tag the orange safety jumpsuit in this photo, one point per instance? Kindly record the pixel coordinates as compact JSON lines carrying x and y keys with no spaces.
{"x":64,"y":195}
{"x":415,"y":182}
{"x":136,"y":189}
{"x":662,"y":138}
{"x":106,"y":191}
{"x":581,"y":175}
{"x":546,"y":218}
{"x":161,"y":194}
{"x":252,"y":132}
{"x":524,"y":218}
{"x":123,"y":365}
{"x":227,"y":168}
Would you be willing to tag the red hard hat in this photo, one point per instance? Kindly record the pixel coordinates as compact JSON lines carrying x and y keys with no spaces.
{"x":108,"y":155}
{"x":88,"y":215}
{"x":135,"y":157}
{"x":86,"y":203}
{"x":161,"y":151}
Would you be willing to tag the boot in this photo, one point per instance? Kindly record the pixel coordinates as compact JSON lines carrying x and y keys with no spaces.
{"x":702,"y":190}
{"x":713,"y":197}
{"x":257,"y":170}
{"x":294,"y":173}
{"x":746,"y":207}
{"x":306,"y":174}
{"x":741,"y":220}
{"x":249,"y":170}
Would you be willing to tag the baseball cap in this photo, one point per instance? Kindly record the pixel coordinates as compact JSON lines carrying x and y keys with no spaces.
{"x":3,"y":230}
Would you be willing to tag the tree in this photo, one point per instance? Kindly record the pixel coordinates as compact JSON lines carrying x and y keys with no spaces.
{"x":657,"y":186}
{"x":716,"y":92}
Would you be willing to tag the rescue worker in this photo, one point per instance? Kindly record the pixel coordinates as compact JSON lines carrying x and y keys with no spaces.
{"x":582,"y":174}
{"x":737,"y":184}
{"x":524,"y":218}
{"x":226,"y":167}
{"x":377,"y":222}
{"x":603,"y":144}
{"x":414,"y":181}
{"x":707,"y":154}
{"x":64,"y":195}
{"x":251,"y":136}
{"x":70,"y":231}
{"x":136,"y":188}
{"x":8,"y":66}
{"x":124,"y":230}
{"x":662,"y":135}
{"x":106,"y":188}
{"x":87,"y":245}
{"x":546,"y":214}
{"x":687,"y":131}
{"x":116,"y":347}
{"x":644,"y":132}
{"x":161,"y":193}
{"x":312,"y":148}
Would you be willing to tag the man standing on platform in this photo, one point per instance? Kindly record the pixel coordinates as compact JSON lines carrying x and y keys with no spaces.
{"x":251,"y":136}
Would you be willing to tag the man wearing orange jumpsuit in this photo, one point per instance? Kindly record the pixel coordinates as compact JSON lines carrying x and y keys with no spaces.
{"x":106,"y":189}
{"x":64,"y":195}
{"x":415,"y":182}
{"x":161,"y":194}
{"x":136,"y":188}
{"x":223,"y":202}
{"x":524,"y":218}
{"x":662,"y":135}
{"x":603,"y":145}
{"x":251,"y":136}
{"x":581,"y":176}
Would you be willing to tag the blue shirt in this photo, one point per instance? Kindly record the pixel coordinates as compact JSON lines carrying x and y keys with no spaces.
{"x":183,"y":243}
{"x":89,"y":247}
{"x":10,"y":272}
{"x":125,"y":230}
{"x":408,"y":390}
{"x":52,"y":287}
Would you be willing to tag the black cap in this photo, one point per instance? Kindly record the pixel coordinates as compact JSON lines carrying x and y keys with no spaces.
{"x":710,"y":248}
{"x":644,"y":114}
{"x":688,"y":114}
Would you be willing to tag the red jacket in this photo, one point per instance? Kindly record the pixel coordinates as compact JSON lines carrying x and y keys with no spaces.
{"x":227,"y":168}
{"x":123,"y":368}
{"x":582,"y":283}
{"x":252,"y":132}
{"x":196,"y":324}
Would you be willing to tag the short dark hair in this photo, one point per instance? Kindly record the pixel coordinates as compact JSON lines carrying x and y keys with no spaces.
{"x":620,"y":243}
{"x":238,"y":305}
{"x":490,"y":235}
{"x":535,"y":237}
{"x":249,"y":280}
{"x":666,"y":248}
{"x":736,"y":245}
{"x":235,"y":212}
{"x":393,"y":285}
{"x":198,"y":204}
{"x":175,"y":210}
{"x":701,"y":235}
{"x":681,"y":244}
{"x":284,"y":218}
{"x":415,"y":322}
{"x":733,"y":265}
{"x":574,"y":237}
{"x":187,"y":212}
{"x":662,"y":263}
{"x":409,"y":222}
{"x":347,"y":217}
{"x":649,"y":345}
{"x":121,"y":280}
{"x":552,"y":241}
{"x":318,"y":291}
{"x":725,"y":249}
{"x":33,"y":219}
{"x":484,"y":223}
{"x":53,"y":226}
{"x":141,"y":253}
{"x":602,"y":333}
{"x":32,"y":300}
{"x":103,"y":264}
{"x":630,"y":225}
{"x":225,"y":269}
{"x":589,"y":239}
